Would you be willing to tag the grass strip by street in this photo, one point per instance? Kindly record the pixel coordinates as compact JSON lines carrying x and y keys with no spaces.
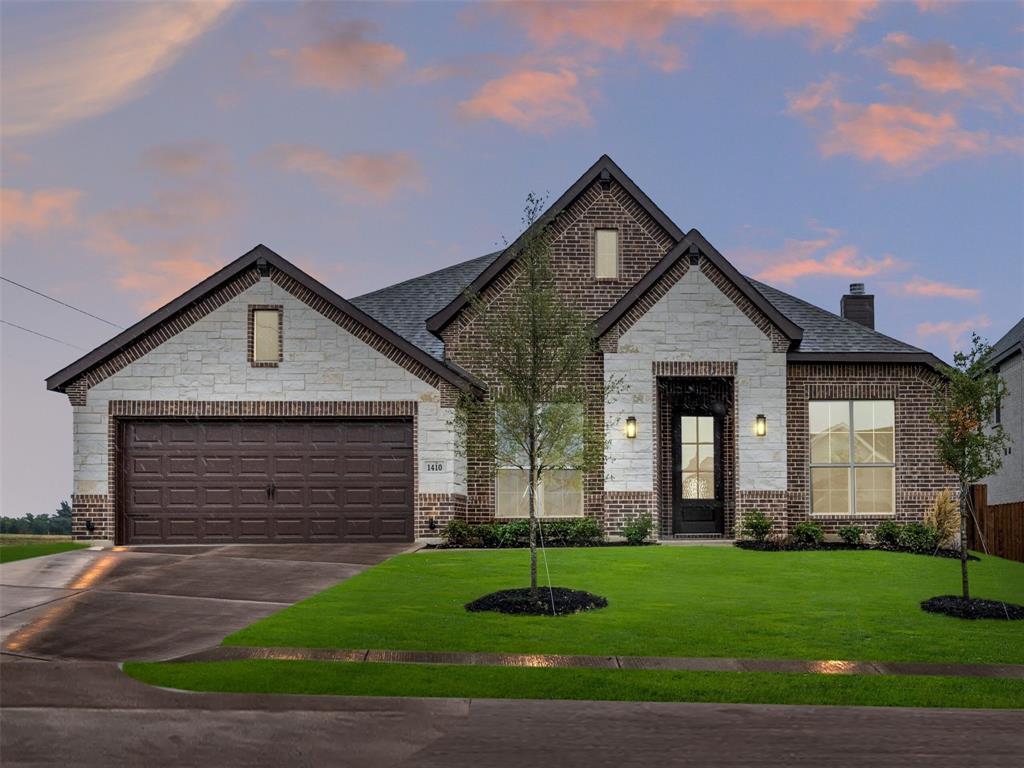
{"x":666,"y":601}
{"x":447,"y":681}
{"x":9,"y":552}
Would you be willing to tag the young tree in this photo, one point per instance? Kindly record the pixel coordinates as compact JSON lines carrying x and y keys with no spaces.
{"x":968,"y":444}
{"x":534,"y":349}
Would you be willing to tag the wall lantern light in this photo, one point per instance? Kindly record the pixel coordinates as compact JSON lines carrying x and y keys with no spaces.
{"x":760,"y":425}
{"x":631,"y":427}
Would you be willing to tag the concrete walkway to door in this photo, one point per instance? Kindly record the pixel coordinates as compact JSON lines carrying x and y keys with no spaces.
{"x":157,"y":603}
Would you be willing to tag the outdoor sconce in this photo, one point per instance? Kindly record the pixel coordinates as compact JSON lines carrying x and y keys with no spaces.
{"x":432,"y":523}
{"x":631,"y":427}
{"x":760,"y":425}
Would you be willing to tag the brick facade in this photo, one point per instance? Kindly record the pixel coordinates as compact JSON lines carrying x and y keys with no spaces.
{"x":919,"y":475}
{"x":642,"y":243}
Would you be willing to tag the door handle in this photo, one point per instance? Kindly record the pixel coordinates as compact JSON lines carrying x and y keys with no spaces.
{"x":271,"y":490}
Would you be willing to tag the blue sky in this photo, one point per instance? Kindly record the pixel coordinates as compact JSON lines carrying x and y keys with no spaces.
{"x":815,"y":144}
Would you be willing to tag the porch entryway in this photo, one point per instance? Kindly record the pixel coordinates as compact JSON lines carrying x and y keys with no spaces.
{"x":696,"y":459}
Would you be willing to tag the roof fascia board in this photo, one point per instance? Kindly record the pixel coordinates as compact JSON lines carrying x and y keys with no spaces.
{"x":919,"y":358}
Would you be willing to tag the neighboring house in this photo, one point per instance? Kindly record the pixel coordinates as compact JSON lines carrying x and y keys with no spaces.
{"x":1007,"y":359}
{"x":260,"y":406}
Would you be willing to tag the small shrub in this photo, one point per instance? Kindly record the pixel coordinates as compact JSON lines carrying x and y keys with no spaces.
{"x":458,"y":533}
{"x":807,"y":534}
{"x":920,"y":538}
{"x":583,"y":532}
{"x":757,"y":525}
{"x":887,"y":534}
{"x":852,"y":535}
{"x":944,"y":517}
{"x":638,"y":529}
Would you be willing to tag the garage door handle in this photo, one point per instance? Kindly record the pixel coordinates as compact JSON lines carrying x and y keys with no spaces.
{"x":271,"y":491}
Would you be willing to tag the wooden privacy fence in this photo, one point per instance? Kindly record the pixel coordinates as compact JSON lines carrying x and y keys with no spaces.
{"x":1002,"y":526}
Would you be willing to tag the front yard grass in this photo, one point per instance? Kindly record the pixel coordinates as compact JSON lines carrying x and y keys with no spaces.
{"x":665,"y":601}
{"x":14,"y":547}
{"x":437,"y":680}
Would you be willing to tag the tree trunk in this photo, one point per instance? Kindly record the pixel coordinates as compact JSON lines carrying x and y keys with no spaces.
{"x":964,"y":502}
{"x":533,"y":538}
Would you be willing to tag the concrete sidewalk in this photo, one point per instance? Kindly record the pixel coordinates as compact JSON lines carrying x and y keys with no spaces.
{"x":91,"y":714}
{"x":703,"y":664}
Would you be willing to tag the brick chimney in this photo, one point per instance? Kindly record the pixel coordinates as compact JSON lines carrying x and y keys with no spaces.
{"x":858,"y":306}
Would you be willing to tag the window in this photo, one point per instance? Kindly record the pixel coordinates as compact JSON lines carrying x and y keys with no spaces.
{"x":697,"y":444}
{"x":265,"y":335}
{"x":561,"y":493}
{"x":606,"y":254}
{"x":852,"y":457}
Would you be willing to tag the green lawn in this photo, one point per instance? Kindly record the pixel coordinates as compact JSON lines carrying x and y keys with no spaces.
{"x":590,"y":684}
{"x":666,"y":601}
{"x":16,"y":548}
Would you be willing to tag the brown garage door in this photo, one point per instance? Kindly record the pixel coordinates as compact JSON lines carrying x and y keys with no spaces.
{"x":266,"y":481}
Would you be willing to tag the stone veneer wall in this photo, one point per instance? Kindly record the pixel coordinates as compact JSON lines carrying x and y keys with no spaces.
{"x":326,"y":370}
{"x":919,"y":475}
{"x":695,"y":323}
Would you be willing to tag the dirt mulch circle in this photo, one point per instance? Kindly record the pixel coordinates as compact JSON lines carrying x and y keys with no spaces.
{"x":975,"y":608}
{"x":519,"y":602}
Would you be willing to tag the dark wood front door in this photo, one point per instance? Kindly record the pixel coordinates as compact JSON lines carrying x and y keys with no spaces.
{"x":266,"y":481}
{"x":697,"y":479}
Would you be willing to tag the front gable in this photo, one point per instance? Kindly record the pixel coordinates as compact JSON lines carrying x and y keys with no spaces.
{"x":259,"y":265}
{"x":695,"y":253}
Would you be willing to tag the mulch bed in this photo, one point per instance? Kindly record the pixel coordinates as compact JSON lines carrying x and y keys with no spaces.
{"x":975,"y":608}
{"x":777,"y":545}
{"x":519,"y":602}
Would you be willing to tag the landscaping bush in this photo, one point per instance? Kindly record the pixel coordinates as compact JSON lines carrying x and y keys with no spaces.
{"x":887,"y":534}
{"x":582,"y":532}
{"x":757,"y":525}
{"x":852,"y":535}
{"x":920,"y":538}
{"x":458,"y":533}
{"x":638,"y":529}
{"x":808,"y":535}
{"x":944,"y":517}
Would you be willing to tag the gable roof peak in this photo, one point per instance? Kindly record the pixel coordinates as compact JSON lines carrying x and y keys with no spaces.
{"x":603,"y":167}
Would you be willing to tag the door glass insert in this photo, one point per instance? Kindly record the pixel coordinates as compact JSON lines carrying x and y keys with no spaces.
{"x":697,"y":435}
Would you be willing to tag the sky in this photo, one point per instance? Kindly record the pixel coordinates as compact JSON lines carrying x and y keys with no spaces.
{"x":145,"y":145}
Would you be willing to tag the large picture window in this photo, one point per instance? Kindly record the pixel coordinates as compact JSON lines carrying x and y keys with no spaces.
{"x":853,"y":463}
{"x":561,"y":493}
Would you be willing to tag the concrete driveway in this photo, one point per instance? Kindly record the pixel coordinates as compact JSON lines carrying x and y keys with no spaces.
{"x":156,"y":603}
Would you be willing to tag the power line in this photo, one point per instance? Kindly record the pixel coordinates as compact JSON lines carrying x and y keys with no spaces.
{"x":58,"y":301}
{"x":37,"y":333}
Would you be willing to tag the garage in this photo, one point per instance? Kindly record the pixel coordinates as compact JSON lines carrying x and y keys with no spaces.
{"x":213,"y":481}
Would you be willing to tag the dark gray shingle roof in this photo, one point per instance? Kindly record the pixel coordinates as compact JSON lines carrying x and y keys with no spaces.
{"x":1009,"y":344}
{"x":405,"y":307}
{"x":828,"y":332}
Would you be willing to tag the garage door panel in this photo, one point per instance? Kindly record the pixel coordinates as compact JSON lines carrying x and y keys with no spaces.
{"x":189,"y":480}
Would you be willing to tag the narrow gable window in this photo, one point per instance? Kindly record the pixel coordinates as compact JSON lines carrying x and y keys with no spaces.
{"x":265,"y":335}
{"x":606,"y":254}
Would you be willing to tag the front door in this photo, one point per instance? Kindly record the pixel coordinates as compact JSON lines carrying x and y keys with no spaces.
{"x":697,"y":480}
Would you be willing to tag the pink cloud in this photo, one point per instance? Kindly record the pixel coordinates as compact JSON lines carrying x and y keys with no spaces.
{"x":919,"y":286}
{"x":344,"y":61}
{"x":842,"y":262}
{"x":35,"y":213}
{"x":954,"y":332}
{"x":530,"y":100}
{"x":86,"y":68}
{"x":939,"y":68}
{"x":893,"y":134}
{"x":643,"y":24}
{"x":381,"y":176}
